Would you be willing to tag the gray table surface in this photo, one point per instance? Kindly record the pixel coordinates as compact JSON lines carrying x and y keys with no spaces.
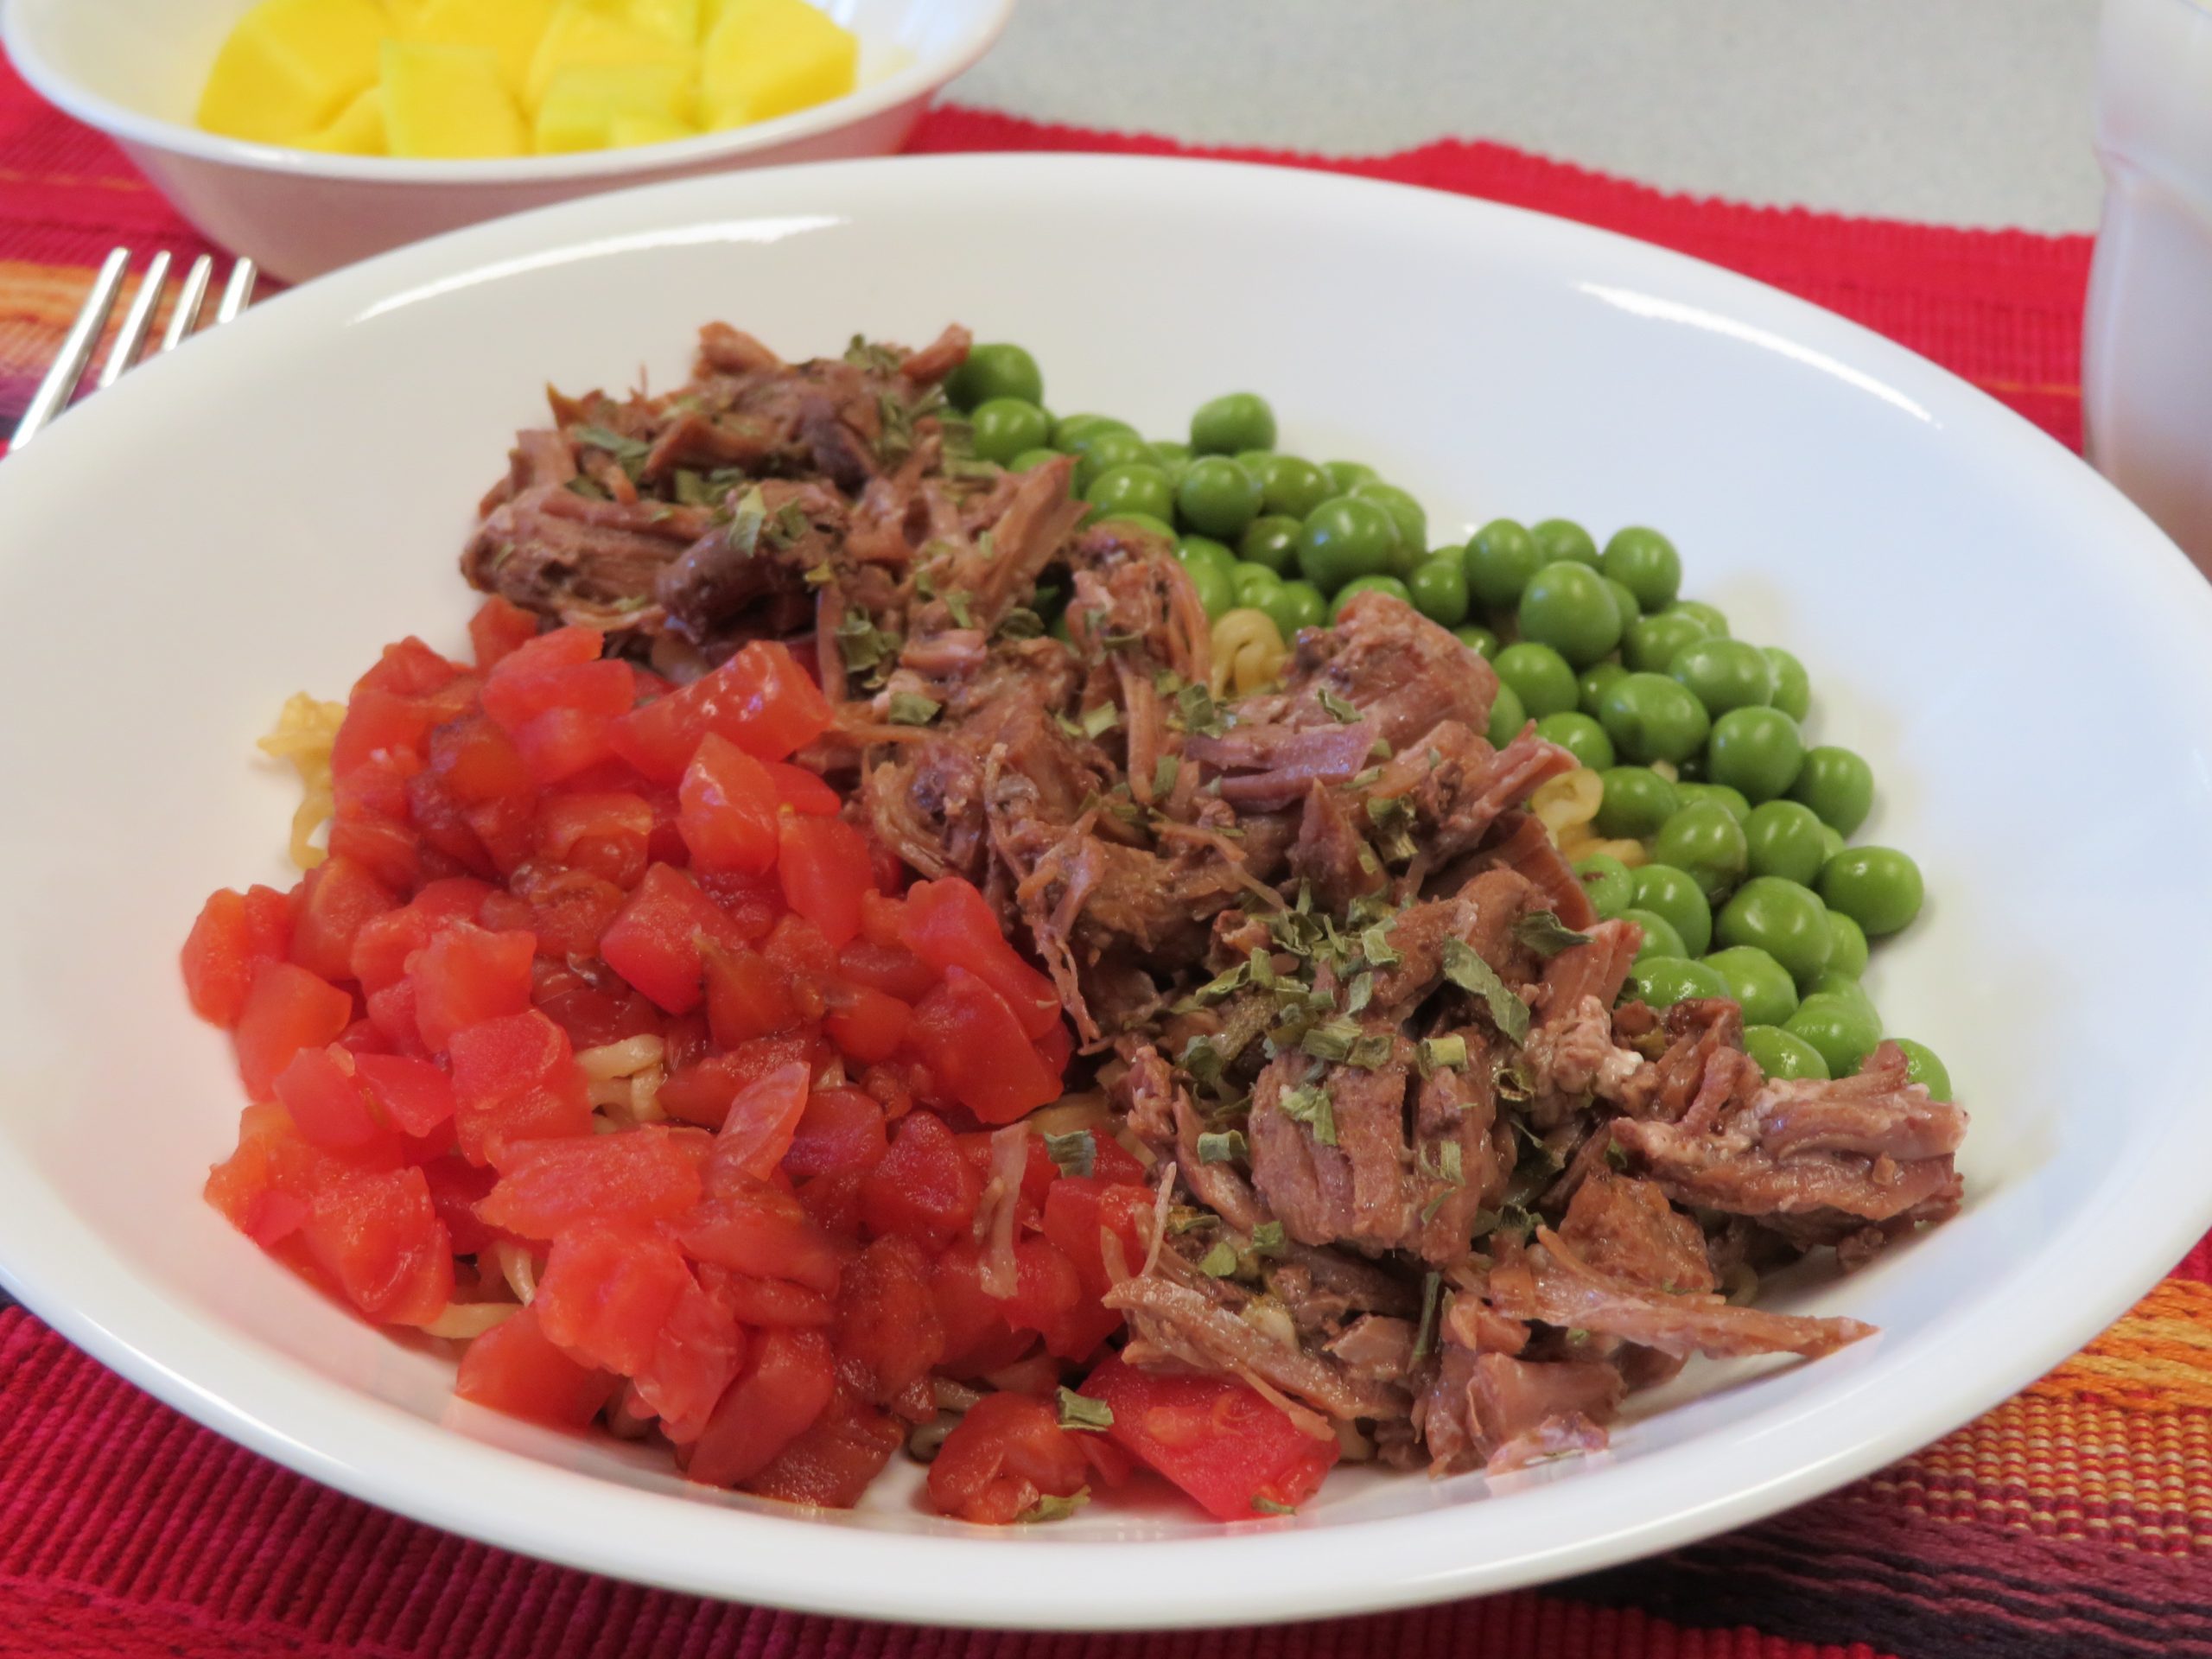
{"x":1954,"y":111}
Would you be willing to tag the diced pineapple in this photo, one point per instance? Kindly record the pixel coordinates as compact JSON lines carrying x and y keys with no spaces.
{"x":449,"y":101}
{"x":628,"y":132}
{"x":512,"y":28}
{"x":582,"y":102}
{"x":765,"y":58}
{"x":291,"y":66}
{"x":403,"y":13}
{"x":676,"y":20}
{"x":584,"y":34}
{"x":358,"y":129}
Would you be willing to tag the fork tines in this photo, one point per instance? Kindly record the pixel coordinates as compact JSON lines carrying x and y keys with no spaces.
{"x":59,"y":384}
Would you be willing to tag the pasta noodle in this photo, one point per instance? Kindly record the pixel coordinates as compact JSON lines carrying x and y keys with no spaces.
{"x":303,"y":734}
{"x":1248,"y":651}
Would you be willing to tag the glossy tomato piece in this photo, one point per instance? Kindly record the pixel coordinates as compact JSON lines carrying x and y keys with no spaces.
{"x":948,"y":923}
{"x":516,"y":1078}
{"x":695,"y":1356}
{"x":456,"y":1187}
{"x":762,"y":1120}
{"x":568,"y":911}
{"x":286,"y":1009}
{"x":646,"y":1175}
{"x":592,"y":1016}
{"x":760,"y":1303}
{"x":785,"y":1385}
{"x":1005,"y":1454}
{"x":413,"y":1095}
{"x":515,"y":1368}
{"x":499,"y":628}
{"x":337,"y":898}
{"x":467,"y":975}
{"x":605,"y":833}
{"x":888,"y":1335}
{"x":755,"y":904}
{"x":976,"y":1049}
{"x":748,"y":995}
{"x":832,"y":1463}
{"x":823,"y":863}
{"x":1216,"y":1438}
{"x":607,"y":1291}
{"x":327,"y":1102}
{"x":699,"y":1092}
{"x":409,"y":668}
{"x":378,"y":1236}
{"x":754,"y":1228}
{"x":653,"y":942}
{"x":891,"y":969}
{"x":924,"y":1188}
{"x":762,"y":700}
{"x":235,"y":934}
{"x":842,"y":1129}
{"x":802,"y":791}
{"x":380,"y":723}
{"x":977,"y":1338}
{"x":1081,"y":1210}
{"x":727,"y":808}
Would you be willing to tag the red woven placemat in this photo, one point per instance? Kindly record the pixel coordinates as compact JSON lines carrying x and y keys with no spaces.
{"x":2073,"y":1521}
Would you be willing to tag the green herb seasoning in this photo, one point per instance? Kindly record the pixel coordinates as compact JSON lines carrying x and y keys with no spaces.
{"x":1466,"y":969}
{"x":1073,"y":1153}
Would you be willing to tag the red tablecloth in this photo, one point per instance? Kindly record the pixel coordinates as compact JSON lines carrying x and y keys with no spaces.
{"x":2073,"y":1521}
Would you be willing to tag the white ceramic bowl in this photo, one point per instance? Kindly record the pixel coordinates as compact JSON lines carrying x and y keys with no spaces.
{"x":135,"y":68}
{"x":2025,"y":660}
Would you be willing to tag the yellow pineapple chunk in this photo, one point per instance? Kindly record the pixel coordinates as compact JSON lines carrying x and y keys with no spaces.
{"x":765,"y":58}
{"x":511,"y":29}
{"x":358,"y":129}
{"x":582,"y":34}
{"x":291,"y":66}
{"x":629,"y":131}
{"x":679,"y":21}
{"x":449,"y":101}
{"x":583,"y":101}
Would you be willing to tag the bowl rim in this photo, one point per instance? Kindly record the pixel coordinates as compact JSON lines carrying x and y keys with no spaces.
{"x":1267,"y":1573}
{"x":20,"y":21}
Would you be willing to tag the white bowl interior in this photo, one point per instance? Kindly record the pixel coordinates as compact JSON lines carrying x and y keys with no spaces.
{"x":2024,"y":659}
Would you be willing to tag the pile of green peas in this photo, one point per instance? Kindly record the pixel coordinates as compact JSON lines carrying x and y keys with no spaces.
{"x":1749,"y":891}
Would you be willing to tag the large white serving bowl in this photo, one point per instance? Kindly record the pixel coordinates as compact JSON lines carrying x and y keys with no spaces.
{"x":2026,"y":661}
{"x":135,"y":69}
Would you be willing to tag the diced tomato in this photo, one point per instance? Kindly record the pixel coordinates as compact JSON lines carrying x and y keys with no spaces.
{"x":547,"y":1187}
{"x":883,"y":921}
{"x":866,"y":1024}
{"x":762,"y":1121}
{"x":760,"y":700}
{"x":948,"y":923}
{"x":409,"y":668}
{"x":1056,"y":1048}
{"x":974,"y":1046}
{"x":824,"y":867}
{"x":1079,"y":1209}
{"x":1005,"y":1455}
{"x":504,"y":909}
{"x":235,"y":934}
{"x":756,"y":1230}
{"x":326,"y":1102}
{"x":888,"y":1334}
{"x":841,"y":1129}
{"x":336,"y":899}
{"x":977,"y":1338}
{"x":456,"y":1187}
{"x":515,"y":1079}
{"x":785,"y":1385}
{"x":553,"y":671}
{"x":892,"y":968}
{"x":754,"y":903}
{"x":515,"y":1368}
{"x":413,"y":1095}
{"x":761,"y":1303}
{"x":796,"y":945}
{"x":605,"y":833}
{"x":466,"y":976}
{"x":392,"y":1011}
{"x":606,"y":1290}
{"x":802,"y":791}
{"x":287,"y":1009}
{"x":474,"y":762}
{"x":593,"y":1017}
{"x":378,"y":1237}
{"x":831,"y":1465}
{"x":748,"y":995}
{"x":1216,"y":1438}
{"x":386,"y":848}
{"x":498,"y":628}
{"x":695,"y":1356}
{"x":653,"y":944}
{"x":727,"y":808}
{"x":833,"y":1203}
{"x":701,"y":1091}
{"x":568,"y":910}
{"x":380,"y":724}
{"x":887,"y":1084}
{"x":924,"y":1189}
{"x":1047,"y":1287}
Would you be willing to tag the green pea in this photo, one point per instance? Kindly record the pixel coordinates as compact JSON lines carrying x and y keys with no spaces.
{"x":1562,"y":538}
{"x":1782,"y":1055}
{"x":1241,"y":420}
{"x":1650,"y":717}
{"x":1157,"y":528}
{"x":1837,"y":784}
{"x":1590,"y":685}
{"x":1705,"y":839}
{"x":1566,"y":606}
{"x":1507,"y":717}
{"x":1673,"y":892}
{"x":1006,"y":427}
{"x":997,"y":370}
{"x":1345,"y":476}
{"x":1793,"y":691}
{"x":1757,"y":751}
{"x":1074,"y":433}
{"x":1785,"y":841}
{"x":1540,"y":675}
{"x":1624,"y":601}
{"x":1844,"y":1033}
{"x":1608,"y":882}
{"x":1253,"y":583}
{"x":1439,"y":589}
{"x":1345,"y":538}
{"x":1847,"y":946}
{"x":1920,"y":1067}
{"x":1636,"y":801}
{"x":1102,"y":453}
{"x":1830,"y":842}
{"x":1664,"y":980}
{"x":1481,"y":641}
{"x":1739,"y":808}
{"x":1139,"y":488}
{"x":1028,"y":460}
{"x":1405,"y":513}
{"x":1501,"y":557}
{"x":1709,"y":615}
{"x":1215,"y":586}
{"x":1878,"y":887}
{"x":1645,"y":563}
{"x":1829,"y":983}
{"x":1781,"y":918}
{"x":1650,"y":644}
{"x":1660,"y":939}
{"x":1194,"y":551}
{"x":1760,"y":985}
{"x":1271,"y":540}
{"x":1295,"y":605}
{"x":1690,"y":769}
{"x":1725,"y":674}
{"x":1359,"y":585}
{"x":1218,"y":497}
{"x":1168,"y":454}
{"x":1580,"y":735}
{"x":1293,"y":487}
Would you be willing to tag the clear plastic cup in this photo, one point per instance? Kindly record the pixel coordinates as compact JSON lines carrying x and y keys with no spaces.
{"x":2146,"y":351}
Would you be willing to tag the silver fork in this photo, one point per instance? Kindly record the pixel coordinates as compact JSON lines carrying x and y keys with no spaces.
{"x":61,"y":383}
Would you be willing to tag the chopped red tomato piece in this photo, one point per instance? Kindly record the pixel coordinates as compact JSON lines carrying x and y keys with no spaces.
{"x":336,"y":899}
{"x":1007,"y":1453}
{"x":235,"y":934}
{"x":866,"y":1024}
{"x":761,"y":1303}
{"x":653,"y":944}
{"x":756,"y":1230}
{"x":823,"y":863}
{"x":924,"y":1188}
{"x":378,"y":1237}
{"x":841,"y":1129}
{"x":831,"y":1464}
{"x":287,"y":1009}
{"x":604,"y":833}
{"x":727,"y":808}
{"x":515,"y":1079}
{"x":1080,"y":1210}
{"x":498,"y":628}
{"x":802,"y":791}
{"x":547,"y":1187}
{"x":762,"y":1120}
{"x":515,"y":1368}
{"x":888,"y":1335}
{"x":976,"y":1049}
{"x":760,"y":700}
{"x":748,"y":995}
{"x":413,"y":1095}
{"x":949,"y":925}
{"x":326,"y":1102}
{"x":785,"y":1385}
{"x":701,"y":1091}
{"x":977,"y":1338}
{"x":694,"y":1358}
{"x":892,"y":968}
{"x":1238,"y":1454}
{"x":466,"y":976}
{"x":606,"y":1290}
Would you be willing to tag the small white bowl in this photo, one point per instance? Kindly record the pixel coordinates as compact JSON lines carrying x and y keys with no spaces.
{"x":135,"y":68}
